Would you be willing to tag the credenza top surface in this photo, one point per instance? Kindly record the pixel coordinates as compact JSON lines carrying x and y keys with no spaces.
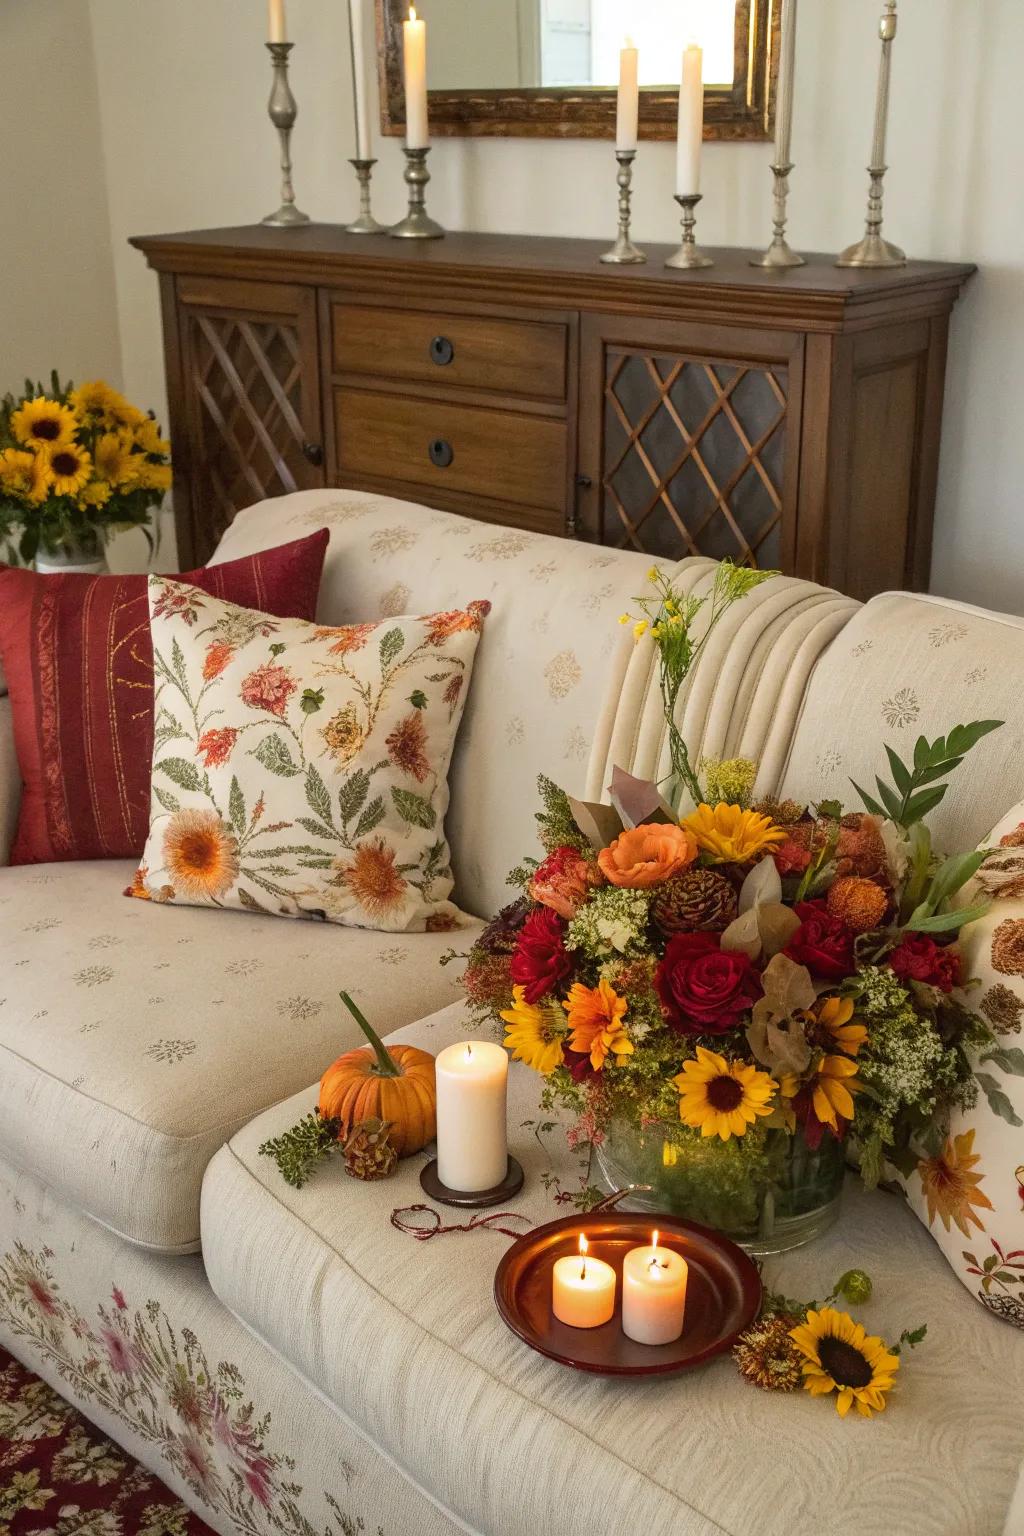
{"x":249,"y":249}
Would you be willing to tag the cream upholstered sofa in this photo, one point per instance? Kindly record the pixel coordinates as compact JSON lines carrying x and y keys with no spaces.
{"x":287,"y":1360}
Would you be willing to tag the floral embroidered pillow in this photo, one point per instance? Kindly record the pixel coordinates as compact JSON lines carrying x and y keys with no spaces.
{"x":971,"y":1196}
{"x":302,"y":770}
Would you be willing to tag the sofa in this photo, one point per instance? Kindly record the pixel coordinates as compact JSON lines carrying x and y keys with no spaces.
{"x":288,"y":1360}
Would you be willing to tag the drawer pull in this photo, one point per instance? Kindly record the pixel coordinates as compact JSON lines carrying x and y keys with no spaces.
{"x":441,"y":351}
{"x":441,"y":453}
{"x":313,"y":453}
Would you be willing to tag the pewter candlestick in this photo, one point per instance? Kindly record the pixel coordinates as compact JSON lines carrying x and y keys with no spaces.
{"x":366,"y":224}
{"x":873,"y":251}
{"x":417,"y":225}
{"x":283,"y":112}
{"x":689,"y":255}
{"x":779,"y":255}
{"x":624,"y":250}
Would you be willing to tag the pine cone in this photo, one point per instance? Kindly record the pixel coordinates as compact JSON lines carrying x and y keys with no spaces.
{"x":368,"y":1152}
{"x":698,"y":900}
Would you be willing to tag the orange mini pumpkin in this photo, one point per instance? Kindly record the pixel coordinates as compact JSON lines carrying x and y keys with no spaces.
{"x":377,"y":1082}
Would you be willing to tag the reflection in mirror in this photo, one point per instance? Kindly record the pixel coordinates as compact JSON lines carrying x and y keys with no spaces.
{"x":568,"y":44}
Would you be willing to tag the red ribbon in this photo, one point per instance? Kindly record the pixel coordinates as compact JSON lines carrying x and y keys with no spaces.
{"x":437,"y":1228}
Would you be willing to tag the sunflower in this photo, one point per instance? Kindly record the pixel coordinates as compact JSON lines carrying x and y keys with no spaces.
{"x":17,"y":471}
{"x":832,"y":1090}
{"x":595,"y":1018}
{"x":200,"y":854}
{"x":96,"y":494}
{"x":726,"y":834}
{"x":372,"y":878}
{"x":833,"y":1017}
{"x":951,"y":1186}
{"x":534,"y":1032}
{"x":147,"y":437}
{"x":95,"y":399}
{"x":114,"y":459}
{"x":153,"y":477}
{"x":722,"y":1098}
{"x":70,"y":468}
{"x":43,"y":423}
{"x":841,"y":1357}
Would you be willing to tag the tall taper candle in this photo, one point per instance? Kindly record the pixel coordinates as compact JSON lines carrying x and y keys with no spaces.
{"x":414,"y":64}
{"x":627,"y":108}
{"x":691,"y":122}
{"x":787,"y":71}
{"x":360,"y":94}
{"x":276,"y":29}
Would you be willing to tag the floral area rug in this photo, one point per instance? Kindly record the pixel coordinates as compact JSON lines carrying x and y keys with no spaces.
{"x":59,"y":1476}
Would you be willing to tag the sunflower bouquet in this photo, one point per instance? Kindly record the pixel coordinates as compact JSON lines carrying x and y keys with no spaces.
{"x":76,"y":465}
{"x":722,"y":1001}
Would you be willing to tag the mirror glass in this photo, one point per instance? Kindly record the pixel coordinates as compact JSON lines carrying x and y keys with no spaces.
{"x":497,"y":45}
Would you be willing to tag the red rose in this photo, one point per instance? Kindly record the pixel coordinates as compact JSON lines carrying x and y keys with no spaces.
{"x":918,"y":958}
{"x":822,"y":942}
{"x":540,"y":961}
{"x":704,"y":989}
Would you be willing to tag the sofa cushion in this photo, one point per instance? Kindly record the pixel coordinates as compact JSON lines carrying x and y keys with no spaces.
{"x":403,"y":1336}
{"x":134,"y":1040}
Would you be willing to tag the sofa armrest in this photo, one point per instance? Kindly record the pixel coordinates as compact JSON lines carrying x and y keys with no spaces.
{"x":10,"y":781}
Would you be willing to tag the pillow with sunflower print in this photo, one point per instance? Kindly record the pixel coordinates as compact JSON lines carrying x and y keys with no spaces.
{"x":302,"y":770}
{"x":971,"y":1196}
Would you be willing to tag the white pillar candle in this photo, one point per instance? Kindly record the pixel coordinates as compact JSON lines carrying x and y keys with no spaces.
{"x":472,"y":1144}
{"x":627,"y":109}
{"x":276,"y":31}
{"x":360,"y":94}
{"x":691,"y":122}
{"x":653,"y":1294}
{"x":582,"y":1289}
{"x":414,"y":64}
{"x":787,"y":72}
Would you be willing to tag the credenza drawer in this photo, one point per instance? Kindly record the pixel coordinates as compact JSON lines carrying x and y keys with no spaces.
{"x":504,"y":455}
{"x":511,"y":357}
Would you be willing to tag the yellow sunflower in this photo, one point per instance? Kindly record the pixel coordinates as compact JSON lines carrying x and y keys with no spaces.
{"x":96,"y":494}
{"x":200,"y":854}
{"x":153,"y":477}
{"x":70,"y":469}
{"x":43,"y":423}
{"x":114,"y":459}
{"x":726,"y":834}
{"x":832,"y":1090}
{"x":840,"y":1357}
{"x":17,"y":471}
{"x":722,"y":1098}
{"x":595,"y":1018}
{"x":534,"y":1032}
{"x":835,"y":1016}
{"x":147,"y":437}
{"x":94,"y":399}
{"x":951,"y":1186}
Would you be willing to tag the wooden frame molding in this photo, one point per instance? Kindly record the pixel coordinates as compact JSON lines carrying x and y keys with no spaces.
{"x":744,"y":111}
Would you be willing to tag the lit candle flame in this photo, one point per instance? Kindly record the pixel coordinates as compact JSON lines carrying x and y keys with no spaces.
{"x":654,"y":1238}
{"x":412,"y":13}
{"x":469,"y":1053}
{"x":584,"y":1246}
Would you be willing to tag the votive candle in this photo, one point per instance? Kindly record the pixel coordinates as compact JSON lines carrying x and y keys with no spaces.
{"x":472,"y":1113}
{"x":653,"y":1294}
{"x":582,"y":1289}
{"x":414,"y":65}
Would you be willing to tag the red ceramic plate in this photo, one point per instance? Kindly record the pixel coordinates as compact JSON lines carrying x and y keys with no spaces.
{"x":722,"y":1299}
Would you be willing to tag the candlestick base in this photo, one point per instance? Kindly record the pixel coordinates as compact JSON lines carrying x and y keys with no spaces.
{"x":417,"y":224}
{"x":286,"y":217}
{"x":624,"y":252}
{"x":510,"y":1186}
{"x":872,"y":251}
{"x":365,"y":224}
{"x":283,"y":112}
{"x":779,"y":257}
{"x":689,"y":257}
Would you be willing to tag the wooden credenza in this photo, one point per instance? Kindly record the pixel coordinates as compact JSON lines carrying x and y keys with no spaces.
{"x":785,"y":420}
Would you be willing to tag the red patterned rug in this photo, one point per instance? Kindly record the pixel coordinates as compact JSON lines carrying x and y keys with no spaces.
{"x":59,"y":1476}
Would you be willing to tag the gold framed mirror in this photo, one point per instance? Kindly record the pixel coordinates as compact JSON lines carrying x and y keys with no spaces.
{"x":549,"y":68}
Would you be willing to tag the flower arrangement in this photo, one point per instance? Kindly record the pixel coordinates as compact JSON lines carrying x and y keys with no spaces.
{"x":722,"y":1000}
{"x":75,"y":465}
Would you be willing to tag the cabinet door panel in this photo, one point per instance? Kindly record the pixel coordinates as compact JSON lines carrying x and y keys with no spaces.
{"x":690,"y":439}
{"x":252,"y":400}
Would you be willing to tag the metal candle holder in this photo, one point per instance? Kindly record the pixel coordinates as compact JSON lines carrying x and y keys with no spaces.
{"x":873,"y":251}
{"x":366,"y":224}
{"x":779,"y":255}
{"x":689,"y":255}
{"x":283,"y":111}
{"x":624,"y":251}
{"x":417,"y":225}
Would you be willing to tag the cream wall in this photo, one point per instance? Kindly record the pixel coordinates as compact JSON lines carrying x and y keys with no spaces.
{"x":188,"y":144}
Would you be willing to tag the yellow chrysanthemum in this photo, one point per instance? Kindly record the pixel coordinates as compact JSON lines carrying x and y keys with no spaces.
{"x":596,"y":1020}
{"x":153,"y":477}
{"x":96,"y":494}
{"x":43,"y":423}
{"x":534,"y":1032}
{"x":17,"y":471}
{"x":147,"y":437}
{"x":115,"y":462}
{"x":722,"y":1098}
{"x":727,"y":834}
{"x":70,"y":468}
{"x":840,"y":1357}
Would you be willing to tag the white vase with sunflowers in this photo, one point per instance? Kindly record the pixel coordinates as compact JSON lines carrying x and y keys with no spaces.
{"x":729,"y":1001}
{"x":76,"y":465}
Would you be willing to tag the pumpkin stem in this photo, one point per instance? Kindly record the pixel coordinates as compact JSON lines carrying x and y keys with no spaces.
{"x":386,"y":1065}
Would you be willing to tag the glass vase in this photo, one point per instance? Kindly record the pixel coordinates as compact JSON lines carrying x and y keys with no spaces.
{"x":768,"y":1194}
{"x":85,"y":555}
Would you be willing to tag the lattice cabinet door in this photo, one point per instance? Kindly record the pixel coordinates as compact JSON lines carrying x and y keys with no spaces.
{"x":250,"y":383}
{"x":690,"y":439}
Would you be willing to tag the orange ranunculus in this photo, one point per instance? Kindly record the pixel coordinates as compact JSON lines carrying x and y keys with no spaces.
{"x":648,"y":855}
